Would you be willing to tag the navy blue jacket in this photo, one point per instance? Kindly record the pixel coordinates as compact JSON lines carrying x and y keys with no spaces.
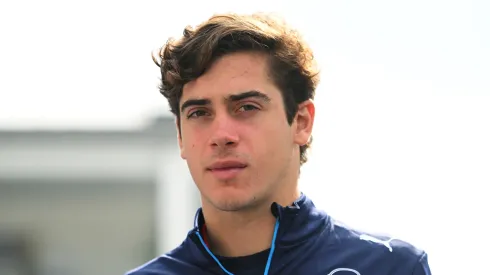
{"x":306,"y":242}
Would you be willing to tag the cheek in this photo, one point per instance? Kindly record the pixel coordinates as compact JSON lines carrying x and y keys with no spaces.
{"x":193,"y":158}
{"x":189,"y":137}
{"x":272,"y":142}
{"x":191,"y":149}
{"x":190,"y":145}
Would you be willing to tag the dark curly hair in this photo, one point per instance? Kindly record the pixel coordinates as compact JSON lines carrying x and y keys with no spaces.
{"x":290,"y":60}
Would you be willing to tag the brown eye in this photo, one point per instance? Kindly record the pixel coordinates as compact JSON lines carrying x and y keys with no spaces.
{"x":197,"y":113}
{"x":247,"y":107}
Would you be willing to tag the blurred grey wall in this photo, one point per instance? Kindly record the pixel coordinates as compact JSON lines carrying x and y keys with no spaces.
{"x":87,"y":202}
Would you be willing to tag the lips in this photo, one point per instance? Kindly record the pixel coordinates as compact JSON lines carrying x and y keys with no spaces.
{"x":223,"y":165}
{"x":226,"y":170}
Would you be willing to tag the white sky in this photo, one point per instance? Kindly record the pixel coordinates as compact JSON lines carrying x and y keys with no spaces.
{"x":403,"y":127}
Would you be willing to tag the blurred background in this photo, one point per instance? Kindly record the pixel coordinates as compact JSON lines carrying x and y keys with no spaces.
{"x":90,"y":177}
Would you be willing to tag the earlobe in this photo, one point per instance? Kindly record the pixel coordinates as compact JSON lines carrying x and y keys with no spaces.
{"x":304,"y":122}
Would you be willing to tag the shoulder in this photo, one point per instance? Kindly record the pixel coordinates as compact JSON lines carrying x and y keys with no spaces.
{"x":380,"y":247}
{"x":153,"y":267}
{"x":162,"y":265}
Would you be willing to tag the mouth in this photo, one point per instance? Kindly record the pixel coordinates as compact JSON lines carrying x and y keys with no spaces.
{"x":226,"y":170}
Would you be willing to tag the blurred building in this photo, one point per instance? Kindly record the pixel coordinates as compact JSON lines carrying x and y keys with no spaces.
{"x":89,"y":202}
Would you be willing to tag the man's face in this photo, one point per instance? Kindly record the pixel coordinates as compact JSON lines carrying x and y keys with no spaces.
{"x":234,"y":134}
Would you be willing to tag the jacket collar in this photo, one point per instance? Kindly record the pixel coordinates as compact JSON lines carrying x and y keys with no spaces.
{"x":298,"y":222}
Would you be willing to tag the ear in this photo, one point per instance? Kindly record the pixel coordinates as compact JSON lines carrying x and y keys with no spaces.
{"x":304,"y":122}
{"x":179,"y":138}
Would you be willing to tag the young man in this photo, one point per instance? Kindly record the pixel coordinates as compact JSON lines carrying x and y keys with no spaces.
{"x":241,"y":89}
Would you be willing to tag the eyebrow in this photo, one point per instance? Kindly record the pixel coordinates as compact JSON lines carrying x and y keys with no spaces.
{"x":194,"y":102}
{"x":232,"y":98}
{"x":249,"y":94}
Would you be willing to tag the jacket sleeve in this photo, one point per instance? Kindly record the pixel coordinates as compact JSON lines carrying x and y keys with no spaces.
{"x":422,"y":266}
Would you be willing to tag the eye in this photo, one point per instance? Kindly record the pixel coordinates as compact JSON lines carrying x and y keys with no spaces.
{"x":197,"y":113}
{"x":247,"y":107}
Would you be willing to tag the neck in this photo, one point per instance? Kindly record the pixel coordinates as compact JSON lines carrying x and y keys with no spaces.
{"x":242,"y":233}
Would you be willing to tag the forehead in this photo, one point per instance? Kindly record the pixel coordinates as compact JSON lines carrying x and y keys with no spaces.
{"x":232,"y":73}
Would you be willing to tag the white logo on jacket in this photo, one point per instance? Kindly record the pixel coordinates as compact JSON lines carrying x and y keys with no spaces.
{"x":344,"y":269}
{"x":376,"y":240}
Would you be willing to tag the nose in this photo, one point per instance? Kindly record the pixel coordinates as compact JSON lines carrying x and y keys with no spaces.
{"x":224,"y":133}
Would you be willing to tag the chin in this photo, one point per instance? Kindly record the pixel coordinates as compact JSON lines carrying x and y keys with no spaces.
{"x":232,"y":206}
{"x":232,"y":201}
